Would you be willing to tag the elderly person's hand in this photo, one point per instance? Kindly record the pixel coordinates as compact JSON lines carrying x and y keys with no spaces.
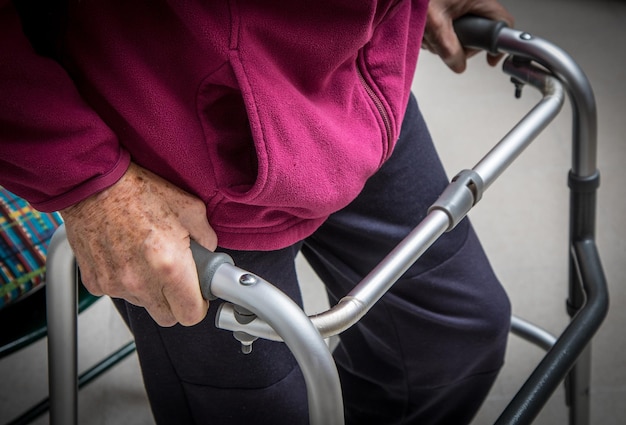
{"x":440,"y":38}
{"x":132,"y":241}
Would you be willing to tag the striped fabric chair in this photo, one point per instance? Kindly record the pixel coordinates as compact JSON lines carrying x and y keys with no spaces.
{"x":24,"y":236}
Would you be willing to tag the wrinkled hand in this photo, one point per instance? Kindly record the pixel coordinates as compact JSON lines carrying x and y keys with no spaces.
{"x":132,"y":241}
{"x":440,"y":38}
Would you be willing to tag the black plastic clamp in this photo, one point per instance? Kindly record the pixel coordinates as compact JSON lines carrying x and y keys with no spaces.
{"x":460,"y":196}
{"x":583,"y":184}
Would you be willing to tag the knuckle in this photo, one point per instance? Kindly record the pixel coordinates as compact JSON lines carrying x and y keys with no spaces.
{"x":166,"y":265}
{"x":160,"y":256}
{"x":198,"y":203}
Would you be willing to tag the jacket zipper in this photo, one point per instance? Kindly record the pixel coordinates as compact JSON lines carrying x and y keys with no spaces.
{"x":377,"y":102}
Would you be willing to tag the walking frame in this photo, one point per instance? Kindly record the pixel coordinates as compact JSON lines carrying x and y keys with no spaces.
{"x":256,"y":309}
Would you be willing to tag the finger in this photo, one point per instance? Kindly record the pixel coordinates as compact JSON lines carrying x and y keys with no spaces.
{"x":87,"y":270}
{"x":493,"y":60}
{"x":454,"y":55}
{"x":446,"y":44}
{"x":192,"y":215}
{"x":89,"y":278}
{"x":158,"y":308}
{"x":135,"y":291}
{"x":183,"y":294}
{"x":176,"y":279}
{"x":204,"y":235}
{"x":197,"y":224}
{"x":139,"y":287}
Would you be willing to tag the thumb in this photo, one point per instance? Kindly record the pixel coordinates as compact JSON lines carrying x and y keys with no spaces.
{"x":204,"y":234}
{"x":185,"y":297}
{"x":192,"y":215}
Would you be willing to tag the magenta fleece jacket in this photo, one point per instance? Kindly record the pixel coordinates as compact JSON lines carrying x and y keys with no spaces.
{"x":275,"y":113}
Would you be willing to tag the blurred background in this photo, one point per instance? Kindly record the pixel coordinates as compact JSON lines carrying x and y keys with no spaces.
{"x":522,"y":221}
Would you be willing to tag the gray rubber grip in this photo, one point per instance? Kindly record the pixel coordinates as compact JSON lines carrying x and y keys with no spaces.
{"x":207,"y":263}
{"x":477,"y":32}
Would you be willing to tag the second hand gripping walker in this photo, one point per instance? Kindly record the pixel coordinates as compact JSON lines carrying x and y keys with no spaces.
{"x":256,"y":309}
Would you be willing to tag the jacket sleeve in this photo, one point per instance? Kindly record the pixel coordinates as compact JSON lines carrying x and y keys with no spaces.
{"x":54,"y":149}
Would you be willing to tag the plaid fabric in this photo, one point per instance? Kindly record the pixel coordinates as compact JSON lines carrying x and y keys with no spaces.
{"x":24,"y":237}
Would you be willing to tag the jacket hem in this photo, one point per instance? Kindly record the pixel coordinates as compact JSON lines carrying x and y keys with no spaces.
{"x":268,"y":238}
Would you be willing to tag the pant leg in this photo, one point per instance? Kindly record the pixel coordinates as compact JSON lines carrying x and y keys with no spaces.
{"x":428,"y":351}
{"x":198,"y":375}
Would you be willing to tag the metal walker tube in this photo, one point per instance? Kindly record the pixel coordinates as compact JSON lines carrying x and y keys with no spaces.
{"x":62,"y":312}
{"x":304,"y":341}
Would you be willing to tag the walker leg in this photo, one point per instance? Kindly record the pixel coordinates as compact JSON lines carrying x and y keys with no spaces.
{"x":577,"y":389}
{"x":62,"y":311}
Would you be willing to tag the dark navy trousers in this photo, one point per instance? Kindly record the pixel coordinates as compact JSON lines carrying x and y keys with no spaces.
{"x":427,"y":353}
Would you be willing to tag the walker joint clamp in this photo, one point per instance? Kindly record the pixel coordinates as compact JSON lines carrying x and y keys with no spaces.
{"x":460,"y":196}
{"x":244,"y":316}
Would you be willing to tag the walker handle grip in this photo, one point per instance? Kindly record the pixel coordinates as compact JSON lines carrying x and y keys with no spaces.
{"x":207,"y":263}
{"x":478,"y":32}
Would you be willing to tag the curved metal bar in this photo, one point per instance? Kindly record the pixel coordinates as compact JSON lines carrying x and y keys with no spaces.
{"x":532,"y":333}
{"x":235,"y":285}
{"x":560,"y":63}
{"x":353,"y":306}
{"x":584,"y":299}
{"x":358,"y":301}
{"x":535,"y":121}
{"x":519,"y":327}
{"x":550,"y":372}
{"x":62,"y":312}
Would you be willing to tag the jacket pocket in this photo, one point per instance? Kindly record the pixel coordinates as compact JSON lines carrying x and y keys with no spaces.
{"x":380,"y":106}
{"x":227,"y":133}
